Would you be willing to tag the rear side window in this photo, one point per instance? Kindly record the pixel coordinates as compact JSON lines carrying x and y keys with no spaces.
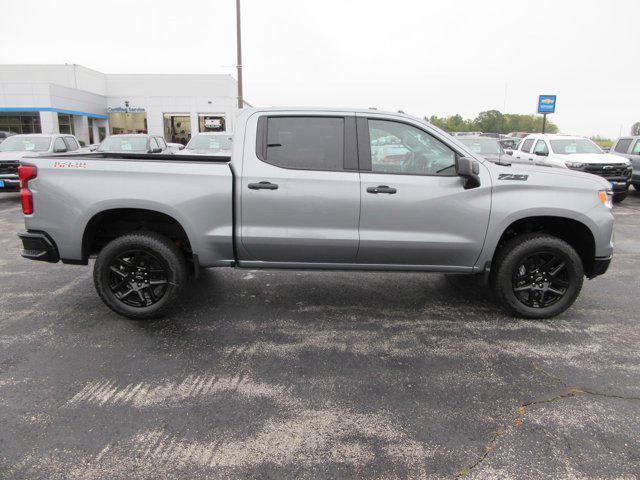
{"x":623,"y":145}
{"x":308,"y":143}
{"x":636,"y":148}
{"x":526,"y":145}
{"x":71,"y":143}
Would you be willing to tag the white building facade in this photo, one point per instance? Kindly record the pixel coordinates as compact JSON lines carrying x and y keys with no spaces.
{"x":91,"y":105}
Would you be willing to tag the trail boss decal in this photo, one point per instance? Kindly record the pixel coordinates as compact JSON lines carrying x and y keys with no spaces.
{"x":513,"y":176}
{"x":70,"y":165}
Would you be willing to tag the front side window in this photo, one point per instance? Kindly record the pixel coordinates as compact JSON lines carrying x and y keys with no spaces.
{"x":574,"y":145}
{"x":401,"y":148}
{"x":59,"y":146}
{"x":25,"y":144}
{"x":161,"y":143}
{"x":215,"y":143}
{"x":636,"y":148}
{"x":623,"y":145}
{"x":541,"y":147}
{"x":309,"y":143}
{"x":526,"y":145}
{"x":153,"y":144}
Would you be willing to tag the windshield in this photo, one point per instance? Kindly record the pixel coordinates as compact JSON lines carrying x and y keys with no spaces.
{"x":482,"y":146}
{"x":574,"y":145}
{"x":210,"y":142}
{"x":25,"y":144}
{"x":124,"y":144}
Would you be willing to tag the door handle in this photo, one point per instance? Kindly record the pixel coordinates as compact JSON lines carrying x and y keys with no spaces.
{"x":381,"y":189}
{"x":263,"y":186}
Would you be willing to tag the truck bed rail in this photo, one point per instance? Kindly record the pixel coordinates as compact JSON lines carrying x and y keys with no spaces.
{"x":144,"y":157}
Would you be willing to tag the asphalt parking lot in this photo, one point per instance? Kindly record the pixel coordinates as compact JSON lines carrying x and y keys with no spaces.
{"x":317,"y":375}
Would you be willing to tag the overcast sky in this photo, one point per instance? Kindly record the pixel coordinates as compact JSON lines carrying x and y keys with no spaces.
{"x":424,"y":57}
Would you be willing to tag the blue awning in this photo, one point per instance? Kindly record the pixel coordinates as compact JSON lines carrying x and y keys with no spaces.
{"x":51,"y":109}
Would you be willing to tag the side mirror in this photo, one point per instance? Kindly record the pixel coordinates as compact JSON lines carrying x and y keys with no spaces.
{"x":155,"y":150}
{"x":509,"y":152}
{"x":542,"y":154}
{"x":469,"y":169}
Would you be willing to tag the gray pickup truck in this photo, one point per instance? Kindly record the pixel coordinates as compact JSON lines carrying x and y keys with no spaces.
{"x":319,"y":189}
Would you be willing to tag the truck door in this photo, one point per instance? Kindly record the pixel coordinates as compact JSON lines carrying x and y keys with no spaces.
{"x":540,"y":154}
{"x":300,"y":189}
{"x":415,"y":209}
{"x":523,"y":155}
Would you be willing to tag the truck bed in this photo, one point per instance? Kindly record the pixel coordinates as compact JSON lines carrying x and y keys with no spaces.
{"x":196,"y":191}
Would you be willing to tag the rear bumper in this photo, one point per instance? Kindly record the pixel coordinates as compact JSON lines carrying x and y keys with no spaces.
{"x":600,"y":266}
{"x":9,"y":183}
{"x":38,"y":246}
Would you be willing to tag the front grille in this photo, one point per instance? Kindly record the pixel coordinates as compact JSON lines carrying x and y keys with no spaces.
{"x":608,"y":170}
{"x":9,"y":167}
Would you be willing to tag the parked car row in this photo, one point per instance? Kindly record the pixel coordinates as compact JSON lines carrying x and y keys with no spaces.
{"x":15,"y":147}
{"x":567,"y":152}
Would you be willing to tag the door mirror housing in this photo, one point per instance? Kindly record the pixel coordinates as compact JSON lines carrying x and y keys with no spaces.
{"x":59,"y":149}
{"x":469,"y":169}
{"x":155,"y":150}
{"x":542,"y":154}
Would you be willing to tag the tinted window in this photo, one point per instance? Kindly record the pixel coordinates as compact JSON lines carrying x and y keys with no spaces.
{"x":59,"y":145}
{"x":401,"y":148}
{"x":541,"y":147}
{"x":71,"y":143}
{"x":636,"y":148}
{"x":623,"y":145}
{"x":526,"y":145}
{"x":310,"y":143}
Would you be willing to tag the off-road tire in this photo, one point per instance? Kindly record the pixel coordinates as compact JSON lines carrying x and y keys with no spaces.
{"x":509,"y":260}
{"x":164,"y":252}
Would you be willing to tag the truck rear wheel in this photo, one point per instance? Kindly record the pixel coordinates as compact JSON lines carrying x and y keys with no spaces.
{"x":140,"y":275}
{"x":618,"y":197}
{"x":537,"y":276}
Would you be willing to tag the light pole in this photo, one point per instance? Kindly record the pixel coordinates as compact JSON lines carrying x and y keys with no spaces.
{"x":239,"y":52}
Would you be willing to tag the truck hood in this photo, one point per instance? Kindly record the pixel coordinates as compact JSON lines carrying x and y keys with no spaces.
{"x":590,"y":158}
{"x":540,"y":172}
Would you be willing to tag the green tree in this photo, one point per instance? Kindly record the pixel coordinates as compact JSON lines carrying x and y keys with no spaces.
{"x":493,"y":121}
{"x":635,"y":129}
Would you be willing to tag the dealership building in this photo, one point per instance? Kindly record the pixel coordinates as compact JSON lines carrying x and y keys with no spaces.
{"x":91,"y":105}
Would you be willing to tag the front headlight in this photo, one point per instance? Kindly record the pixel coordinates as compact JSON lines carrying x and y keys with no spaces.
{"x":570,"y":164}
{"x":606,"y":197}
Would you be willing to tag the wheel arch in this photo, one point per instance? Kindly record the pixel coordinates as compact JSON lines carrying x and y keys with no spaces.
{"x":111,"y":223}
{"x":574,"y":232}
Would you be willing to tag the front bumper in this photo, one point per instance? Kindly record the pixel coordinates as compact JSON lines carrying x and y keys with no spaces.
{"x":38,"y":246}
{"x":600,"y":266}
{"x":9,"y":183}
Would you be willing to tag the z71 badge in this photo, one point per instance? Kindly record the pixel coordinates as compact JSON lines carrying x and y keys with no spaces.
{"x":70,"y":165}
{"x":512,"y":176}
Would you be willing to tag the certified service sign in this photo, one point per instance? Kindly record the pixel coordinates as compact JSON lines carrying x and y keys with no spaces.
{"x":546,"y":103}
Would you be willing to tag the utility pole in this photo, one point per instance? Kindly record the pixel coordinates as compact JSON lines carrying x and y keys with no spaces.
{"x":544,"y":121}
{"x":239,"y":52}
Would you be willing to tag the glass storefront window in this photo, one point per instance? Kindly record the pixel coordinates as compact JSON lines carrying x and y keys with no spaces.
{"x":177,"y":127}
{"x":211,"y":122}
{"x":65,"y":123}
{"x":132,"y":122}
{"x":20,"y":122}
{"x":90,"y":124}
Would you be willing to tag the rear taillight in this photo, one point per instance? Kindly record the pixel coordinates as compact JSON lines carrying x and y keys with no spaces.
{"x":26,"y":173}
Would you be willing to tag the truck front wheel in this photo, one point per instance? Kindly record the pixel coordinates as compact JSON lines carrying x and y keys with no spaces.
{"x":140,"y":275}
{"x":537,"y":276}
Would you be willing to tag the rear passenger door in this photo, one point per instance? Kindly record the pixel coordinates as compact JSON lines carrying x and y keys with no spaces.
{"x":300,"y":189}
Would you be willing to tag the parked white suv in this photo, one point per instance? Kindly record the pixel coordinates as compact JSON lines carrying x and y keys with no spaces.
{"x":576,"y":153}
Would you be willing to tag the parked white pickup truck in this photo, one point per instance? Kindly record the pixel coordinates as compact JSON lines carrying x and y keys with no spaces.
{"x":16,"y":147}
{"x":576,"y":153}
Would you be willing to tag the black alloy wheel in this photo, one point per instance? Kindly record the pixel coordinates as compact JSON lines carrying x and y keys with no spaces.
{"x":138,"y":278}
{"x":541,"y":279}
